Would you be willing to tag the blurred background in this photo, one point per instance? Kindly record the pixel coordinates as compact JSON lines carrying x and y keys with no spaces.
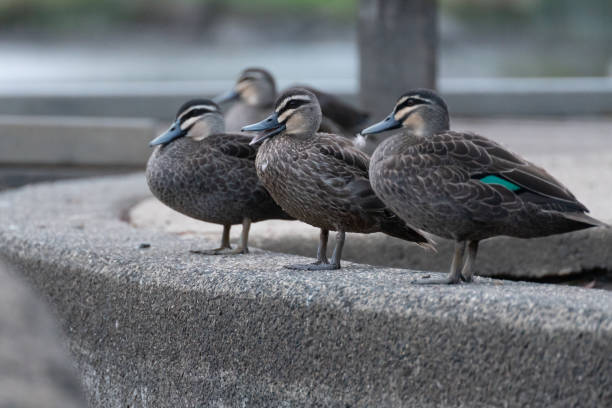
{"x":60,"y":44}
{"x":92,"y":80}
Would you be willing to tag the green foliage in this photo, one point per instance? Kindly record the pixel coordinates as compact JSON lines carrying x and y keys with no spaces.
{"x":338,"y":8}
{"x":62,"y":12}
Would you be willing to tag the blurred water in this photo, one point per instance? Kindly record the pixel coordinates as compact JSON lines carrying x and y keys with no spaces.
{"x":159,"y":62}
{"x":26,"y":65}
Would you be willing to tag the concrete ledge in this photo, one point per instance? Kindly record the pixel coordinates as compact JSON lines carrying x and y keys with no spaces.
{"x":159,"y":99}
{"x":75,"y":140}
{"x":161,"y":327}
{"x":114,"y":141}
{"x":35,"y":370}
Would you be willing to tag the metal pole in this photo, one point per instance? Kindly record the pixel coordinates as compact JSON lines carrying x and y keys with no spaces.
{"x":397,"y":50}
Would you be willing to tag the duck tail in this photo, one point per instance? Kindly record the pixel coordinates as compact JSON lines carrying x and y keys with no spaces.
{"x":398,"y":229}
{"x":584,"y":219}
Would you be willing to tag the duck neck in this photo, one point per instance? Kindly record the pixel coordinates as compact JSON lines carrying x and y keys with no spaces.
{"x":427,"y":124}
{"x":212,"y":125}
{"x":259,"y":97}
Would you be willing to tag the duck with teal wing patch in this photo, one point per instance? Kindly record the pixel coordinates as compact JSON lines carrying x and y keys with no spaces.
{"x":319,"y":178}
{"x":199,"y":170}
{"x":254,"y":94}
{"x":462,"y":186}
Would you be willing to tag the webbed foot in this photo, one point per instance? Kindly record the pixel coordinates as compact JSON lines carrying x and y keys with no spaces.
{"x":449,"y":280}
{"x":317,"y":266}
{"x":220,"y":251}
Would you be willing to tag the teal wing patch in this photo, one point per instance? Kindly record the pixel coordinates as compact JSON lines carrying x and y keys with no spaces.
{"x":493,"y":179}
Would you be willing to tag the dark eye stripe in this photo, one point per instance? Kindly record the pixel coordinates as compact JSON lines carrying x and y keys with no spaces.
{"x":410,"y":102}
{"x":195,"y":112}
{"x":292,"y":104}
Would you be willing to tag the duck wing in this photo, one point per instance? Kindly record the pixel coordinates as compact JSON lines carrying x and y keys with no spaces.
{"x":231,"y":158}
{"x":234,"y":145}
{"x":344,"y":152}
{"x":486,"y":162}
{"x":346,"y":175}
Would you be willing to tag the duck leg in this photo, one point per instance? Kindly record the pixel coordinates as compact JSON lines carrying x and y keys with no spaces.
{"x":337,"y":255}
{"x":322,"y":262}
{"x":225,"y":244}
{"x":454,"y":276}
{"x":244,"y":239}
{"x":322,"y":248}
{"x":468,"y":268}
{"x":226,"y":248}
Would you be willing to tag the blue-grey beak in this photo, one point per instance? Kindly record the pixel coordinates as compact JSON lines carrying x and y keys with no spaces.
{"x":226,"y":96}
{"x":269,"y":125}
{"x":169,"y":135}
{"x":387,"y":123}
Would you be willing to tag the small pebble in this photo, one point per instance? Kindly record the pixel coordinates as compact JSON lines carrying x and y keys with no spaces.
{"x":144,"y":245}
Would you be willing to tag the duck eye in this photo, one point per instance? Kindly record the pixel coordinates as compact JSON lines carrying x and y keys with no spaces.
{"x":293,"y":104}
{"x":411,"y":102}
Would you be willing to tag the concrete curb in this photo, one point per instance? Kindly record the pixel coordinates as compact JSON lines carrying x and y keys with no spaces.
{"x":162,"y":327}
{"x":470,"y":97}
{"x":72,"y":140}
{"x":35,"y":370}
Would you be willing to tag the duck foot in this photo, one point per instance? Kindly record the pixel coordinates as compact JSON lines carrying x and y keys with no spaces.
{"x":445,"y":281}
{"x":220,"y":251}
{"x":317,"y":266}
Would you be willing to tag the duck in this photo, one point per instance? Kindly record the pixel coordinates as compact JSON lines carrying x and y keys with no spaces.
{"x":319,"y":178}
{"x":200,"y":171}
{"x":254,"y":94}
{"x":463,"y":186}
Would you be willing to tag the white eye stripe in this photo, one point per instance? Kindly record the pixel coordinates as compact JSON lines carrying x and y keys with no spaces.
{"x":185,"y":125}
{"x":292,"y":98}
{"x":196,"y":107}
{"x":416,"y":98}
{"x":285,"y":115}
{"x":403,"y":112}
{"x":240,"y":86}
{"x":423,"y":100}
{"x":402,"y":100}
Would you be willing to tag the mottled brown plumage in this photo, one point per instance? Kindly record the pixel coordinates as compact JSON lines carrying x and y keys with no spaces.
{"x":319,"y":178}
{"x":213,"y":178}
{"x":463,"y":186}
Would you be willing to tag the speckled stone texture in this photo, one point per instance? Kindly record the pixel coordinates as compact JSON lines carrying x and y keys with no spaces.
{"x":35,"y":369}
{"x":161,"y":327}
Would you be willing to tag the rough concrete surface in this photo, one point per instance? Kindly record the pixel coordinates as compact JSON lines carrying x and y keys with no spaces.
{"x":35,"y":369}
{"x":159,"y":326}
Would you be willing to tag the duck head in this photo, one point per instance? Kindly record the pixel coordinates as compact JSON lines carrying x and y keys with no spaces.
{"x":421,"y":112}
{"x":255,"y":87}
{"x":196,"y":119}
{"x":296,"y":112}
